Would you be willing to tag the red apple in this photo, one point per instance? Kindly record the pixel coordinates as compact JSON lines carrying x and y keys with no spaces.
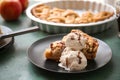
{"x":24,"y":4}
{"x":0,"y":3}
{"x":0,"y":6}
{"x":10,"y":9}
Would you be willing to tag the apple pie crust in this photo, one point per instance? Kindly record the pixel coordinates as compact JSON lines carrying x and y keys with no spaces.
{"x":68,"y":16}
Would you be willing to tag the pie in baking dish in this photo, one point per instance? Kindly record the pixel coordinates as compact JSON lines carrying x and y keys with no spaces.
{"x":68,"y":16}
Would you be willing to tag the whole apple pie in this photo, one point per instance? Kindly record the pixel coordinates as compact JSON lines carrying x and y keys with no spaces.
{"x":68,"y":16}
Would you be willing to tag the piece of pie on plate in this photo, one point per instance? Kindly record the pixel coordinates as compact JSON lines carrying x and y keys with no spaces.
{"x":55,"y":50}
{"x":76,"y":40}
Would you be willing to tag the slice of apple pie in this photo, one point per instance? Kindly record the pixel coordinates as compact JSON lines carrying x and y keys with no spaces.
{"x":55,"y":50}
{"x":77,"y":41}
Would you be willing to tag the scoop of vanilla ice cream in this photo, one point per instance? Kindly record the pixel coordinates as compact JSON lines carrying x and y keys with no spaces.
{"x":72,"y":60}
{"x":74,"y":41}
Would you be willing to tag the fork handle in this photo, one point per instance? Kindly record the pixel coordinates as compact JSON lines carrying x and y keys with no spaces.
{"x":20,"y":32}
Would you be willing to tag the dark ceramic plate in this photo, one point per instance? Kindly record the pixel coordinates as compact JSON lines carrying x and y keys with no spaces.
{"x":36,"y":56}
{"x":6,"y":43}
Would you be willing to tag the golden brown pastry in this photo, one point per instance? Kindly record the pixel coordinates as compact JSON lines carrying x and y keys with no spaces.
{"x":76,"y":40}
{"x":55,"y":50}
{"x":102,"y":16}
{"x":68,"y":16}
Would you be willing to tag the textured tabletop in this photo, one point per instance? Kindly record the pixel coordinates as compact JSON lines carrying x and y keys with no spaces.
{"x":14,"y":63}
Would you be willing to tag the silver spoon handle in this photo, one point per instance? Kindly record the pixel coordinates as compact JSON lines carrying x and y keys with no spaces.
{"x":20,"y":32}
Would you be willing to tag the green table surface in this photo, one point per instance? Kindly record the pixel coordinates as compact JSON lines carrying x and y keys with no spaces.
{"x":14,"y":63}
